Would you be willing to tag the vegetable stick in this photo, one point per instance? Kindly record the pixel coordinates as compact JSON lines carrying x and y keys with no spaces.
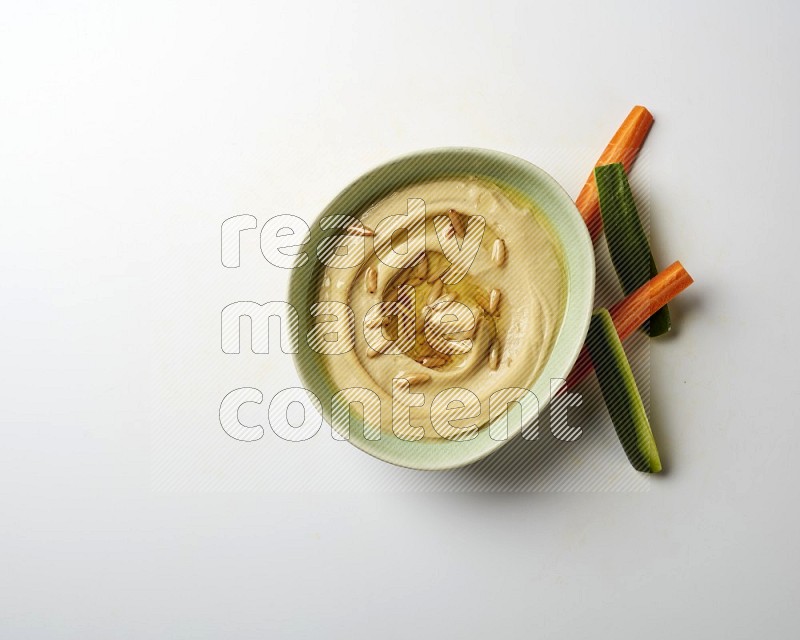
{"x":621,"y":395}
{"x":624,"y":147}
{"x":626,"y":238}
{"x":632,"y":311}
{"x":645,"y":301}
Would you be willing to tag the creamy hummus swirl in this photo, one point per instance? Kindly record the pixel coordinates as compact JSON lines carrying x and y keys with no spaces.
{"x":466,"y":246}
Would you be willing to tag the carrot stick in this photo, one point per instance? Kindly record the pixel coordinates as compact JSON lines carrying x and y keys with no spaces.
{"x":624,"y":147}
{"x":631,"y":312}
{"x":650,"y":297}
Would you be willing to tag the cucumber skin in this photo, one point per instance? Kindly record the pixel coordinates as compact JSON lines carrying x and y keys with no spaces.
{"x":627,"y":242}
{"x":621,"y":394}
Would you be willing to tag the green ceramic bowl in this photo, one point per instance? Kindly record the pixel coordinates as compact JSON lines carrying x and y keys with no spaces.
{"x":567,"y":226}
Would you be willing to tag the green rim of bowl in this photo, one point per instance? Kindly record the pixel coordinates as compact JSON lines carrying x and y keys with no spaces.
{"x":566,"y":224}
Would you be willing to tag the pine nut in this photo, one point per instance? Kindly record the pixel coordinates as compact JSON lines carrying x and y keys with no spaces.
{"x":494,"y":356}
{"x":360,"y":230}
{"x":494,"y":300}
{"x":371,"y":280}
{"x":457,"y":222}
{"x":499,"y":252}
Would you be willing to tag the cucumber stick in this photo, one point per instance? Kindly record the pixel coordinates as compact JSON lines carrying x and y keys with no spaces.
{"x":627,"y":241}
{"x":621,"y":394}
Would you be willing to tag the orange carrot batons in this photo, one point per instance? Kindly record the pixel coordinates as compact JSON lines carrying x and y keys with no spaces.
{"x":631,"y":312}
{"x":624,"y":147}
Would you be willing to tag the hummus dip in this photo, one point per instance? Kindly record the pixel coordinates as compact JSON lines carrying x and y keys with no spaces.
{"x":457,"y":297}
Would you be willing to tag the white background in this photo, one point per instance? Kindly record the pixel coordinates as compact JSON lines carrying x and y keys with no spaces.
{"x":128,"y":133}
